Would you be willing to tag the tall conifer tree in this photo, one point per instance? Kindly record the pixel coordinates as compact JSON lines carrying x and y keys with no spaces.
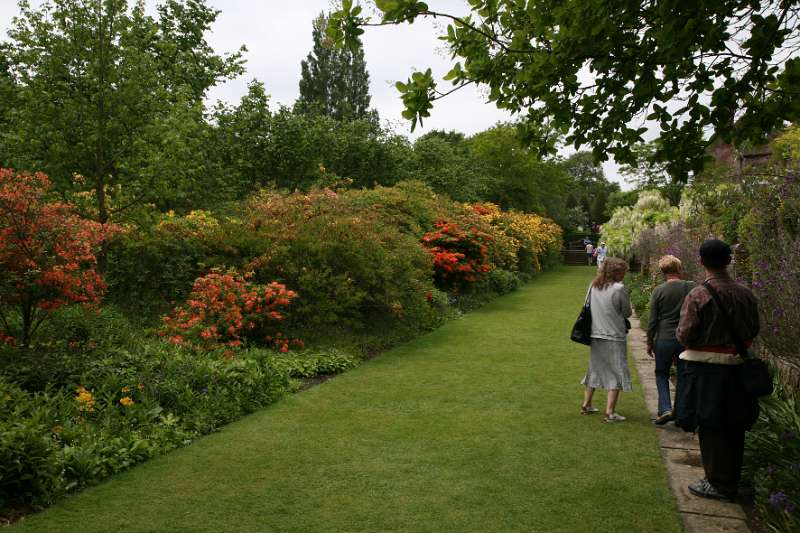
{"x":333,"y":81}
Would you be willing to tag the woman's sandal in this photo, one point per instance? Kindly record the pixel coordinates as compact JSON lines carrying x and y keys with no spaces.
{"x":589,"y":410}
{"x":614,"y":417}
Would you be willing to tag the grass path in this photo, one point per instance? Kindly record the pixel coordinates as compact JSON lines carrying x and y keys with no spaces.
{"x":474,"y":427}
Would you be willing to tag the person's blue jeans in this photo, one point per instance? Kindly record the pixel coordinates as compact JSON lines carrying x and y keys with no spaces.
{"x":666,"y":351}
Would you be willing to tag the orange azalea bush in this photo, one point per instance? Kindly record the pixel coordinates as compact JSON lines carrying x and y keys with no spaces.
{"x":225,"y":309}
{"x":47,"y":255}
{"x":460,"y":255}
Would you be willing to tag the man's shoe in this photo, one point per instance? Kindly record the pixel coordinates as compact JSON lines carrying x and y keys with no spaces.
{"x":664,"y":418}
{"x":704,"y":489}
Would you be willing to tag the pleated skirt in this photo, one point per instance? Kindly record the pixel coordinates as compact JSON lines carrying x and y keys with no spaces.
{"x":608,"y":366}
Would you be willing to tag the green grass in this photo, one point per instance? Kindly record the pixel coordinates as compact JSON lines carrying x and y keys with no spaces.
{"x":474,"y":427}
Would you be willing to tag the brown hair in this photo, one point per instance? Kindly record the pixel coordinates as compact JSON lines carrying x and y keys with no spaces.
{"x":608,"y":273}
{"x":669,"y":264}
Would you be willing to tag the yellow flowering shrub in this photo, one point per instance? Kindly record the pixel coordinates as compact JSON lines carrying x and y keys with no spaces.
{"x":521,"y":239}
{"x":505,"y":247}
{"x":538,"y":236}
{"x":195,"y":224}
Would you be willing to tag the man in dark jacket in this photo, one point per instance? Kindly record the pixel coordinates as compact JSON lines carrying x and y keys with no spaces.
{"x":713,"y":398}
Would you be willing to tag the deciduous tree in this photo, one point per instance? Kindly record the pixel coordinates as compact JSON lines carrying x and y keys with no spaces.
{"x":47,"y":255}
{"x":597,"y":70}
{"x":647,"y":173}
{"x":96,"y":80}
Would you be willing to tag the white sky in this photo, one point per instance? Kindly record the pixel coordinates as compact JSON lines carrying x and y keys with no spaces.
{"x":277,"y":34}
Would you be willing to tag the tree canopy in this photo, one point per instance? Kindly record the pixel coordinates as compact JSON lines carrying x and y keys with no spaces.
{"x":646,"y":174}
{"x":334,"y":81}
{"x":109,"y":100}
{"x":598,"y":71}
{"x":589,"y":189}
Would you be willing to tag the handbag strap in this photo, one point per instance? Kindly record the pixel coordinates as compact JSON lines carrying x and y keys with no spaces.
{"x":587,"y":302}
{"x":737,"y":340}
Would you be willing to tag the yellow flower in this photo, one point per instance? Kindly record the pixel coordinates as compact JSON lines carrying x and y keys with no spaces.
{"x":140,"y":386}
{"x":126,"y":401}
{"x":58,"y":429}
{"x":85,"y":398}
{"x":125,"y":389}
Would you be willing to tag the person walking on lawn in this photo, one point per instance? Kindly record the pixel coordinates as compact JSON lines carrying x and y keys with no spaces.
{"x":712,"y":397}
{"x":589,"y":252}
{"x":600,"y":254}
{"x":608,"y":361}
{"x":665,"y":311}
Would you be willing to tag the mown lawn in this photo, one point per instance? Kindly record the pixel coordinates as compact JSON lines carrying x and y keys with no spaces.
{"x":474,"y":427}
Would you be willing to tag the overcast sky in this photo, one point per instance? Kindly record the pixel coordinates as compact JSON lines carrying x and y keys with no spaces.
{"x":277,"y":34}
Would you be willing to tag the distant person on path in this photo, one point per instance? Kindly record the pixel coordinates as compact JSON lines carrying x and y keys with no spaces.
{"x":665,"y":311}
{"x":608,"y":361}
{"x":589,"y":252}
{"x":601,"y":253}
{"x":712,"y":398}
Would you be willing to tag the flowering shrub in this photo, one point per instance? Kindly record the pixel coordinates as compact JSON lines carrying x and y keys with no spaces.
{"x":47,"y":255}
{"x":195,"y":224}
{"x":538,"y":238}
{"x":771,"y":235}
{"x":460,"y":256}
{"x":678,"y":238}
{"x":519,"y":240}
{"x":627,"y":223}
{"x":225,"y":308}
{"x":504,"y":247}
{"x":772,"y":461}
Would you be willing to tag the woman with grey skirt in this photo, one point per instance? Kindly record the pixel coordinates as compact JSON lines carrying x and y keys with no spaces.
{"x":608,"y":358}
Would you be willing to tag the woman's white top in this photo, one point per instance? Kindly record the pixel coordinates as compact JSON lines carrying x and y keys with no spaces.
{"x":610,"y":307}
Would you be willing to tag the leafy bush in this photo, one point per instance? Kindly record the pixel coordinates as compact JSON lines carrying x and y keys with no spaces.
{"x":127,"y":406}
{"x":29,"y":469}
{"x":503,"y":281}
{"x":410,"y":206}
{"x":312,"y":364}
{"x":358,"y":271}
{"x":640,"y":287}
{"x":154,"y":266}
{"x":772,"y":461}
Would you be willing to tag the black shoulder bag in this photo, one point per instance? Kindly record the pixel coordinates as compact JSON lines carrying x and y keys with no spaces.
{"x":582,"y":330}
{"x":754,"y":372}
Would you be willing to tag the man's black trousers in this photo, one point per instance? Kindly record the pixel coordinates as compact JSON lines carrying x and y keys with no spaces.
{"x":722,"y":451}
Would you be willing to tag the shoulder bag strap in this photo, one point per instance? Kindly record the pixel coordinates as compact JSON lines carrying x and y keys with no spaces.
{"x":737,"y":340}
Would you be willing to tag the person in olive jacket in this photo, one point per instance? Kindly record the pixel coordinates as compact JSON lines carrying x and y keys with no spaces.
{"x":665,"y":311}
